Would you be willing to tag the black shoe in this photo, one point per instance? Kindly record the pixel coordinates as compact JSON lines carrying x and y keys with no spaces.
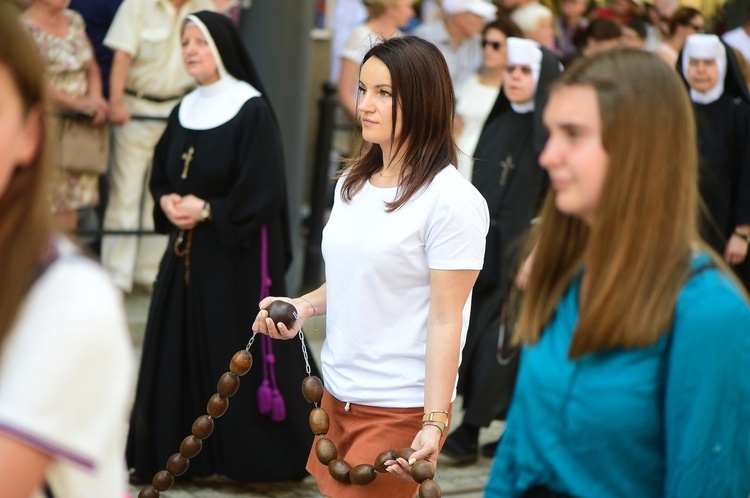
{"x":489,"y":449}
{"x":459,"y":450}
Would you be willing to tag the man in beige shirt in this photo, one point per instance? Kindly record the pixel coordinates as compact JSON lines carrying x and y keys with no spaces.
{"x":147,"y":79}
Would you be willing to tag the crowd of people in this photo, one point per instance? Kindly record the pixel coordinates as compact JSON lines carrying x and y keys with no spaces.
{"x":546,"y":216}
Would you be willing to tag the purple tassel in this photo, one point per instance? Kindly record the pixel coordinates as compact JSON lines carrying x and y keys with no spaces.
{"x":278,"y":414}
{"x":265,"y":397}
{"x":270,"y":400}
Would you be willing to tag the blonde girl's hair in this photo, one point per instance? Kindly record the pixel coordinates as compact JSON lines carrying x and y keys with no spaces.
{"x":25,"y":224}
{"x":636,"y":254}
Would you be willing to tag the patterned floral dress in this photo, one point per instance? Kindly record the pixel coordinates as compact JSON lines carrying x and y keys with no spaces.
{"x":66,"y":61}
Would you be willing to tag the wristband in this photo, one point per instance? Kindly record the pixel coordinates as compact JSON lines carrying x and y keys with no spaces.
{"x":434,"y":424}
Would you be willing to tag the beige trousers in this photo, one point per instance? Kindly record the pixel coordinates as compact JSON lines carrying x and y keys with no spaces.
{"x":133,"y":259}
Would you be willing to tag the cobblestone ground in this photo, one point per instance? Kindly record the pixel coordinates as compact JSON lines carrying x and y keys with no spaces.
{"x":457,"y":482}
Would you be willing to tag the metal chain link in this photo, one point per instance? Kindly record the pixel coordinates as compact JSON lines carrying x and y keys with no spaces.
{"x":304,"y":348}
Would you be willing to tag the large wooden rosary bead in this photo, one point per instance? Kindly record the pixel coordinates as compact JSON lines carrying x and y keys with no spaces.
{"x":190,"y":446}
{"x":319,"y":421}
{"x":163,"y":480}
{"x":312,"y":389}
{"x":217,"y":405}
{"x":382,"y":458}
{"x":148,"y":492}
{"x":281,"y":311}
{"x":339,"y":470}
{"x":405,"y":453}
{"x":362,"y":474}
{"x":429,"y":489}
{"x":242,"y":362}
{"x":177,"y":464}
{"x":228,"y":384}
{"x":203,"y":426}
{"x":326,"y":451}
{"x":422,"y":470}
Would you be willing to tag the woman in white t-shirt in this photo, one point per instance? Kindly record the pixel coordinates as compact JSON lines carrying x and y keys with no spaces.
{"x":65,"y":358}
{"x":384,"y":18}
{"x":402,"y":248}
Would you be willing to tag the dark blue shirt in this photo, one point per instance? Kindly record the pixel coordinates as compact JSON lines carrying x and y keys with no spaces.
{"x":98,"y":15}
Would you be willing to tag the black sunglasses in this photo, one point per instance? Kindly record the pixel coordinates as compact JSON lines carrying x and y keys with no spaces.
{"x":494,"y":44}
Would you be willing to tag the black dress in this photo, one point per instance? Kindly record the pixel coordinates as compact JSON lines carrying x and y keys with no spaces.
{"x":194,"y":329}
{"x":723,"y":132}
{"x":508,"y":175}
{"x":724,"y":179}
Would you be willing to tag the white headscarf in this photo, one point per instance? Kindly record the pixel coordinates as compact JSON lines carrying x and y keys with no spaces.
{"x":523,"y":52}
{"x":707,"y":47}
{"x":210,"y":106}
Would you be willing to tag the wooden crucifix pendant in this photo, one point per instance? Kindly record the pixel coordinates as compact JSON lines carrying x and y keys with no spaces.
{"x":187,"y":158}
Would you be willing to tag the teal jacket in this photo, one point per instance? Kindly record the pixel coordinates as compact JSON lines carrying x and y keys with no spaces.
{"x":670,"y":420}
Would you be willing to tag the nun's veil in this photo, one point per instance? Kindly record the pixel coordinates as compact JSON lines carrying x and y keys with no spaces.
{"x":232,"y":51}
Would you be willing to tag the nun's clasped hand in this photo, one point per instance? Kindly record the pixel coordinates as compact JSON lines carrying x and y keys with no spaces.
{"x":263,"y":324}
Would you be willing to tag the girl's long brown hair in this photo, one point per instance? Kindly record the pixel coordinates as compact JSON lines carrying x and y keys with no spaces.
{"x":423,"y":96}
{"x":636,"y":255}
{"x":25,"y":222}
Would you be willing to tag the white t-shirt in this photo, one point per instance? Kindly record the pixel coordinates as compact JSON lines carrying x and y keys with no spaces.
{"x":378,"y":283}
{"x":739,"y":39}
{"x":474,"y":102}
{"x":66,"y":372}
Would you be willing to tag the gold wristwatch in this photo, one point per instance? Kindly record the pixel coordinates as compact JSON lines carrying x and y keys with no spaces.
{"x":435,"y":416}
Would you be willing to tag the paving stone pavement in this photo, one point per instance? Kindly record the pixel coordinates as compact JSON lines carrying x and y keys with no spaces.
{"x":455,"y":481}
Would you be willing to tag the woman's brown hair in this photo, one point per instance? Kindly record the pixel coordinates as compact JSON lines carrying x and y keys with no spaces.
{"x":636,"y":254}
{"x":423,"y":96}
{"x":25,"y":223}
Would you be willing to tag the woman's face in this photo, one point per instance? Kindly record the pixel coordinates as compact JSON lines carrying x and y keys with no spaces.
{"x":197,"y":56}
{"x":518,"y":83}
{"x":20,"y":132}
{"x":494,"y":49}
{"x":702,"y":74}
{"x":401,"y":11}
{"x":375,"y":105}
{"x":574,"y":155}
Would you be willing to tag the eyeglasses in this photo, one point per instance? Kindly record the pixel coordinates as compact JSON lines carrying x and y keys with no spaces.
{"x":524,"y":69}
{"x":494,"y":44}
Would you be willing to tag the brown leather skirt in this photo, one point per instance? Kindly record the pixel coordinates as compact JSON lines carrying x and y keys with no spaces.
{"x":360,"y":434}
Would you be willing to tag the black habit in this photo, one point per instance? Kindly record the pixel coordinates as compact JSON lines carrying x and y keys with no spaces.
{"x":508,"y":175}
{"x":195,"y":328}
{"x":723,"y":132}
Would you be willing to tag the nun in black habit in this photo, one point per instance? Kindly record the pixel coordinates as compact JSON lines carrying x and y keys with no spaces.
{"x":218,"y":179}
{"x":722,"y":110}
{"x":507,"y":173}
